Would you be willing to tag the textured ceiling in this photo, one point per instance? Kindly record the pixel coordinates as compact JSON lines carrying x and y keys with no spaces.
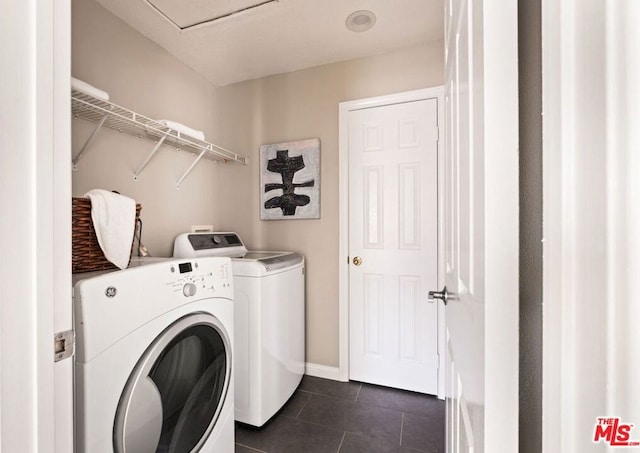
{"x":271,"y":37}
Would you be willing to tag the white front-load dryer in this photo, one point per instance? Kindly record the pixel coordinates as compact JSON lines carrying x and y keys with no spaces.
{"x":153,"y":367}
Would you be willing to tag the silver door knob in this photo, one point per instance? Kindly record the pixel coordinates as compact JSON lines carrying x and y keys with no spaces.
{"x":441,"y":295}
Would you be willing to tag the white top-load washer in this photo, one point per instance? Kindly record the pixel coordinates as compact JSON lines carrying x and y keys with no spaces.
{"x":153,"y":365}
{"x":269,"y":348}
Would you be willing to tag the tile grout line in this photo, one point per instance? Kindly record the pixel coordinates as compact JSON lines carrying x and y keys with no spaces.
{"x":303,"y":406}
{"x":250,"y":448}
{"x":358,"y":394}
{"x":325,"y":395}
{"x":341,"y":441}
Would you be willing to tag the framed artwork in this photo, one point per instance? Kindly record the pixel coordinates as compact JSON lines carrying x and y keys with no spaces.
{"x":290,"y":180}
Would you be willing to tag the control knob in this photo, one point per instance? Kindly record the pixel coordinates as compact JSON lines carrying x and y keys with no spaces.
{"x":189,"y":289}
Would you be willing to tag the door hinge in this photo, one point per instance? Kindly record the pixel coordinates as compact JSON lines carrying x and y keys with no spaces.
{"x":63,"y":345}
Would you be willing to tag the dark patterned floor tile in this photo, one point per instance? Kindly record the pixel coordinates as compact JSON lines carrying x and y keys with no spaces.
{"x":288,"y":435}
{"x":401,"y":400}
{"x":326,"y":387}
{"x":324,"y":415}
{"x":295,"y":404}
{"x":354,"y":443}
{"x":343,"y":415}
{"x":424,"y":433}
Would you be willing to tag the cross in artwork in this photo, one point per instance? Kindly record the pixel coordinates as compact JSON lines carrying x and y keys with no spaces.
{"x":287,"y":167}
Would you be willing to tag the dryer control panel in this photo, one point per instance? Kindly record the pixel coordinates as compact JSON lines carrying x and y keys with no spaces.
{"x":112,"y":305}
{"x":198,"y":278}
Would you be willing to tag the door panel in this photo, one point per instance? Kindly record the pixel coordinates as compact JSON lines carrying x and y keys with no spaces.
{"x":393,"y":229}
{"x":463,"y":209}
{"x":481,"y":225}
{"x":409,"y":206}
{"x":373,"y":215}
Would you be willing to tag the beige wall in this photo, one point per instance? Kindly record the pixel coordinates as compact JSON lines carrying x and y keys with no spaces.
{"x":141,"y":76}
{"x":299,"y":105}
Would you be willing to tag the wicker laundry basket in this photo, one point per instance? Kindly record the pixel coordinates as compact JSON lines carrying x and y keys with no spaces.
{"x":86,"y":254}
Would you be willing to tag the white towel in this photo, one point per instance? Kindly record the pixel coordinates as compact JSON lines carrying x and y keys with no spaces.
{"x":186,"y":130}
{"x":113,"y":218}
{"x":88,"y":89}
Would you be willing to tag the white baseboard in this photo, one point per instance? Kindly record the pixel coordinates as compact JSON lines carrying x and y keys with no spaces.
{"x":323,"y":371}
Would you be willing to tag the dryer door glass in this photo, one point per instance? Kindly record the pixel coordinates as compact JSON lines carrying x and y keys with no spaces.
{"x":190,"y":376}
{"x":175,"y":395}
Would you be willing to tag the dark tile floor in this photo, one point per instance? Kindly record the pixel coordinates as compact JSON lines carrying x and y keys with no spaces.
{"x":349,"y":417}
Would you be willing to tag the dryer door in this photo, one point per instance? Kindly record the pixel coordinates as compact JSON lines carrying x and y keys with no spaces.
{"x":175,"y":394}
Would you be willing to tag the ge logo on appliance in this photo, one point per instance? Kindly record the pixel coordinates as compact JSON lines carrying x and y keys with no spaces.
{"x":110,"y":291}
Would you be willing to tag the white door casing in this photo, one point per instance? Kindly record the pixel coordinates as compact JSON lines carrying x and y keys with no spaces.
{"x":591,"y":182}
{"x":35,"y":226}
{"x":481,"y":225}
{"x":399,"y":247}
{"x":62,"y":296}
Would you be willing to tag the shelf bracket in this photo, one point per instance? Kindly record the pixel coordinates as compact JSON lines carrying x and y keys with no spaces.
{"x":186,"y":173}
{"x":87,"y":143}
{"x":149,"y":157}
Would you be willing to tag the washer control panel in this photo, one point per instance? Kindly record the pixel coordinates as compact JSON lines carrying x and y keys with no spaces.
{"x":189,"y":245}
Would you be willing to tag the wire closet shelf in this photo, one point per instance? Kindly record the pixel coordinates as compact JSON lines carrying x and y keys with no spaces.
{"x":106,"y":113}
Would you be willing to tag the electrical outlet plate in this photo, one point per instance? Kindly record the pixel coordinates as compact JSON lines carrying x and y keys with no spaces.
{"x":202,"y":228}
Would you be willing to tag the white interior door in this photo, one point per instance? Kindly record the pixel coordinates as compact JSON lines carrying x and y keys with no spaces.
{"x":393,"y":244}
{"x":481,"y":225}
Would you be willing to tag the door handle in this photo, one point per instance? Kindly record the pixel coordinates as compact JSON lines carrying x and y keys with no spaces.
{"x":357,"y":260}
{"x":440,"y":295}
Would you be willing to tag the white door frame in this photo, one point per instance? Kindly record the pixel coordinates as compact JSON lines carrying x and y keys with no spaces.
{"x":343,"y":268}
{"x":35,"y":227}
{"x":591,"y":220}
